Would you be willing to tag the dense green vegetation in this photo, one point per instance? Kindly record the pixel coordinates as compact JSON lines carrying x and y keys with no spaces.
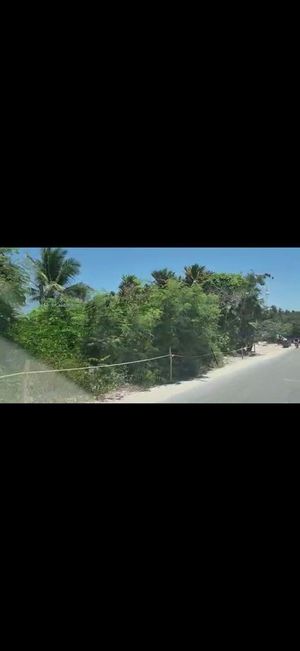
{"x":13,"y":288}
{"x":279,"y":322}
{"x":200,"y":316}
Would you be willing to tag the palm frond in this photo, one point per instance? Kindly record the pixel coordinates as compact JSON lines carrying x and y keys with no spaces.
{"x":79,"y":290}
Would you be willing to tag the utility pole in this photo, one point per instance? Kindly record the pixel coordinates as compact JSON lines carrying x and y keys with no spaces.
{"x":267,"y":298}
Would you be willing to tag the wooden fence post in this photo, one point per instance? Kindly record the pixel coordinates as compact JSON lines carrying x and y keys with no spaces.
{"x":171,"y":364}
{"x":214,"y":356}
{"x":25,"y":388}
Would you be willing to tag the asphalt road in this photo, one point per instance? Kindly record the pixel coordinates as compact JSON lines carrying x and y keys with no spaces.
{"x":273,"y":380}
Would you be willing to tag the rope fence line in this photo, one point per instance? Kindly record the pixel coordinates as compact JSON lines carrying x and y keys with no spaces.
{"x":208,"y":354}
{"x":81,"y":368}
{"x":138,"y":361}
{"x":193,"y":356}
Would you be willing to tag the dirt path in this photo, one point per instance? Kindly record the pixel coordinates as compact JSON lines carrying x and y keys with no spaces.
{"x":162,"y":393}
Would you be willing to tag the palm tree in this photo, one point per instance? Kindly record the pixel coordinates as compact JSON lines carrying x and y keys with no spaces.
{"x":52,"y":274}
{"x":129,"y":284}
{"x":195,"y":274}
{"x":162,"y":276}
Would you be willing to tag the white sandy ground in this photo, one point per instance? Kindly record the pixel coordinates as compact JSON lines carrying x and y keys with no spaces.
{"x":162,"y":393}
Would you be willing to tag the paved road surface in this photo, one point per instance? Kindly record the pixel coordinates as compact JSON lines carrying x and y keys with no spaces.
{"x":271,"y":380}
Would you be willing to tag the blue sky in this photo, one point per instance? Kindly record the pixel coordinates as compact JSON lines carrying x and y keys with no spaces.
{"x":103,"y":268}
